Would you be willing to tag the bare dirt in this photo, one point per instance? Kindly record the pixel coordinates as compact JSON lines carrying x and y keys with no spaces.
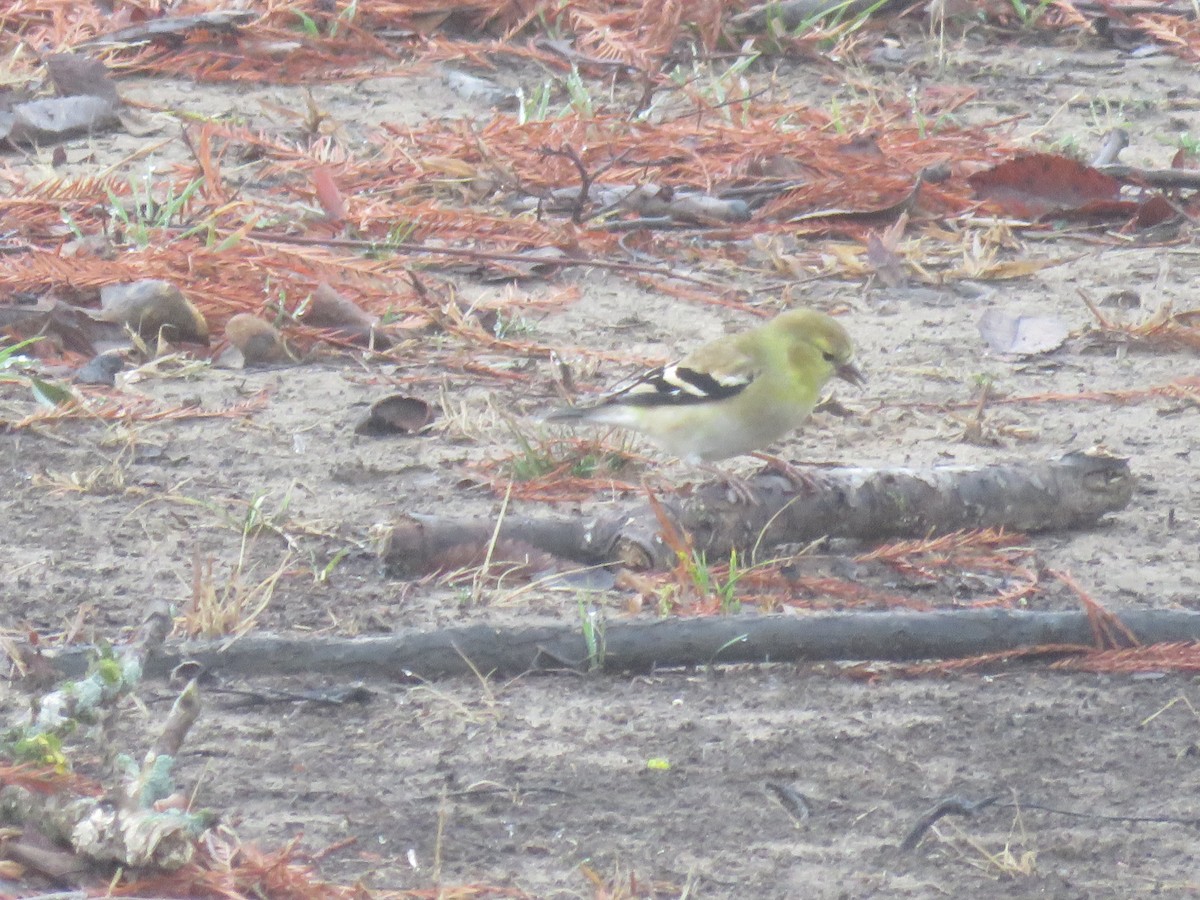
{"x":545,"y":785}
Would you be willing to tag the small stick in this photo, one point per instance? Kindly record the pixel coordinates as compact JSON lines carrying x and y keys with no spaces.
{"x":951,"y":806}
{"x":790,"y":799}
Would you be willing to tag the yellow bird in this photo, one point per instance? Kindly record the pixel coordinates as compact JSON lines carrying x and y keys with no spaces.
{"x":736,"y":395}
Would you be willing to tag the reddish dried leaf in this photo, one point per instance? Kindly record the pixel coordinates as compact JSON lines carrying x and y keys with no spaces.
{"x":1097,"y":212}
{"x":1039,"y":183}
{"x":328,"y":309}
{"x":1155,"y":211}
{"x":328,"y":194}
{"x":1185,"y":159}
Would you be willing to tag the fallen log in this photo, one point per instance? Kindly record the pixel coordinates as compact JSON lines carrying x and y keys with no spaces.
{"x":648,"y":646}
{"x":868,"y":504}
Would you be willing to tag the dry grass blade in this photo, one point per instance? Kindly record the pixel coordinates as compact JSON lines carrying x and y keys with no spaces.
{"x":1165,"y":329}
{"x":232,"y":608}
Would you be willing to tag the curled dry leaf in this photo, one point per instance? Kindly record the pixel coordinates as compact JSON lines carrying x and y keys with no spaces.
{"x":1185,"y":158}
{"x":56,"y":118}
{"x":87,"y":102}
{"x":884,"y":261}
{"x":151,"y":307}
{"x":75,"y":75}
{"x":329,"y":309}
{"x":882,"y":256}
{"x":1007,"y":332}
{"x":1155,"y":211}
{"x":258,"y":340}
{"x":63,"y":327}
{"x":396,"y":414}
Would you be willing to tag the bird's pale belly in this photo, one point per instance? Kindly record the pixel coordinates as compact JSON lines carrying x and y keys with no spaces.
{"x":697,"y":436}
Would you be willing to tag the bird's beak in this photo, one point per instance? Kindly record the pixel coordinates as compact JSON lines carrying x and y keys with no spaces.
{"x":849,"y":372}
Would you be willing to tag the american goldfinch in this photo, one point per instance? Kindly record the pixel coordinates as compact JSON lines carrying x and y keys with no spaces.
{"x":733,"y":396}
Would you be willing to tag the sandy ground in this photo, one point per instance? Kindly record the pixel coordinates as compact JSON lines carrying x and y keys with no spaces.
{"x":536,"y":783}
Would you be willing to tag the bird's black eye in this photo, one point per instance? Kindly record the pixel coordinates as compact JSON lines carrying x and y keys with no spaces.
{"x":829,"y":357}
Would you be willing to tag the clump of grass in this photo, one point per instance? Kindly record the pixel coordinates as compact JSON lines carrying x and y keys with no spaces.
{"x":233,"y":607}
{"x":1029,"y":13}
{"x":568,"y":457}
{"x":100,"y":481}
{"x":149,"y":211}
{"x":717,"y":583}
{"x":592,"y":623}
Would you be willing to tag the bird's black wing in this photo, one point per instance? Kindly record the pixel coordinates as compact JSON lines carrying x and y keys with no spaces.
{"x":679,"y":385}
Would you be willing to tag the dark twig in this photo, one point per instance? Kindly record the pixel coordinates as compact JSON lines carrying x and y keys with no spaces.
{"x":491,"y":790}
{"x":1190,"y":821}
{"x":586,"y":179}
{"x":480,"y":255}
{"x":959,"y":806}
{"x":790,"y":799}
{"x":951,"y":806}
{"x":1162,"y":178}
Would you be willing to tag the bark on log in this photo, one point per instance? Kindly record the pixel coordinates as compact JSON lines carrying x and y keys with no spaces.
{"x":868,"y":504}
{"x":670,"y":643}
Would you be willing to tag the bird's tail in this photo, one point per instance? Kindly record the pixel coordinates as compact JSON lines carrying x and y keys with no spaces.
{"x":617,"y":414}
{"x":567,"y":414}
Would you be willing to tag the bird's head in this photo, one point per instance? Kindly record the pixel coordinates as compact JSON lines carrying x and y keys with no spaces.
{"x":820,"y":342}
